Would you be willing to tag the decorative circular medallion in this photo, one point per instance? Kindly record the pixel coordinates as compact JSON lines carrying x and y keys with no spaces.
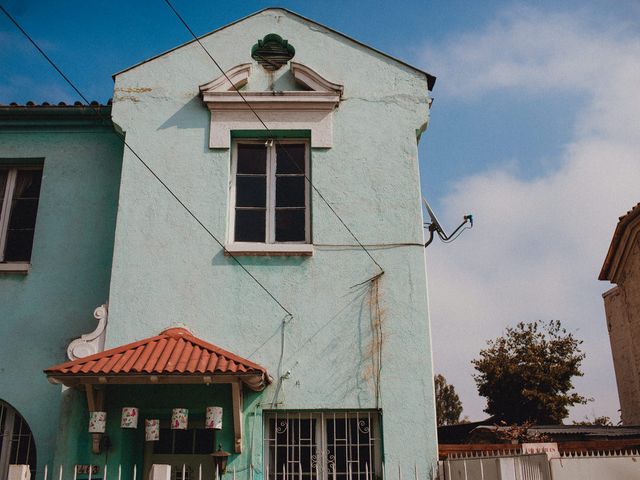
{"x":272,"y":52}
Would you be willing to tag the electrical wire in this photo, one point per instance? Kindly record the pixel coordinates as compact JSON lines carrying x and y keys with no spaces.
{"x":122,"y":138}
{"x":315,"y":189}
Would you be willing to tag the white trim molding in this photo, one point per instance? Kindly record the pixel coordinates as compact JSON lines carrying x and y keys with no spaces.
{"x":280,"y":110}
{"x":93,"y":342}
{"x":269,"y":249}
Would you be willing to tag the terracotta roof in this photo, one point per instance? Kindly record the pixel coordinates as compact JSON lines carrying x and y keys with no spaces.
{"x":76,"y":104}
{"x":173,"y":355}
{"x":623,"y":223}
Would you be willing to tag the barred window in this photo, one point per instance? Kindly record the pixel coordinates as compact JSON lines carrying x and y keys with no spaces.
{"x":322,"y":445}
{"x":17,"y":446}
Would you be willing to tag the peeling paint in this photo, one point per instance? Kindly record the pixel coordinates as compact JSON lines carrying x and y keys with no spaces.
{"x":134,"y":89}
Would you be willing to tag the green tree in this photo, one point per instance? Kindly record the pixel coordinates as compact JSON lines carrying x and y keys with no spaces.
{"x":602,"y":421}
{"x":448,"y":405}
{"x":526,"y":374}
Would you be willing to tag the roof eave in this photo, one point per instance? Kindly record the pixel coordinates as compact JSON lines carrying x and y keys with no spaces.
{"x":607,"y":273}
{"x":257,"y":381}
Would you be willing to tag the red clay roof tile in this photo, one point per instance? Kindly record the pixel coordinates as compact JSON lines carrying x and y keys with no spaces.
{"x":174,"y":352}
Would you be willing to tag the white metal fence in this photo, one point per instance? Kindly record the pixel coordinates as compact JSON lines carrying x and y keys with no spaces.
{"x":187,"y":472}
{"x":622,"y":465}
{"x":596,"y":466}
{"x":519,"y":466}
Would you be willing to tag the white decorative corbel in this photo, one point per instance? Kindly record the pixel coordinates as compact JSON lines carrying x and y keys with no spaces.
{"x":93,"y":342}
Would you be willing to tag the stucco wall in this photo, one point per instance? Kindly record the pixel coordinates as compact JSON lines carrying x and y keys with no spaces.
{"x":40,"y":312}
{"x":167,"y":270}
{"x":622,"y":307}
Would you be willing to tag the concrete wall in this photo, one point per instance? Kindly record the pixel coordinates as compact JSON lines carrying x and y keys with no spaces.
{"x":622,"y":307}
{"x":167,"y":270}
{"x":40,"y":312}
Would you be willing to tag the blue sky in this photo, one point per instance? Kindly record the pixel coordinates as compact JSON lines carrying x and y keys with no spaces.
{"x":533,"y":129}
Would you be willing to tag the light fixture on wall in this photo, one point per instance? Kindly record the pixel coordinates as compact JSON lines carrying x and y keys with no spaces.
{"x":220,"y":459}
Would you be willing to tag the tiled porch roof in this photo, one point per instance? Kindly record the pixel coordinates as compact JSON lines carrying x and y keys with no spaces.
{"x":174,"y":356}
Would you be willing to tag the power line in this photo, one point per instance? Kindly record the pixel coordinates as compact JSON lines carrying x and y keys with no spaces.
{"x":195,"y":37}
{"x":122,"y":138}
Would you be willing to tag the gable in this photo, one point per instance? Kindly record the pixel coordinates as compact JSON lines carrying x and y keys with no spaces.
{"x":431,"y":79}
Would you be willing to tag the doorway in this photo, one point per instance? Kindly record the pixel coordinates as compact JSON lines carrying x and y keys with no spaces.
{"x":191,"y":449}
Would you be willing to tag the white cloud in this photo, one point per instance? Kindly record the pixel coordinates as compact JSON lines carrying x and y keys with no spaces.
{"x":538,"y":244}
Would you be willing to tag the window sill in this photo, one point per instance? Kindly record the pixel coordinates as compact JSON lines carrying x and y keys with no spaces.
{"x":269,"y":249}
{"x":15,"y":267}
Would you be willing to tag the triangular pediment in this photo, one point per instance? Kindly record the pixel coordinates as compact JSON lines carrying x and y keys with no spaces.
{"x":238,"y":76}
{"x":309,"y":107}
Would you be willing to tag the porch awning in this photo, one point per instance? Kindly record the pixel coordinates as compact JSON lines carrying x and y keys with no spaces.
{"x":174,"y":356}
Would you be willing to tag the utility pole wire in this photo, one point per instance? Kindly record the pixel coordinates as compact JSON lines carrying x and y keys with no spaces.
{"x":122,"y":138}
{"x":195,"y":37}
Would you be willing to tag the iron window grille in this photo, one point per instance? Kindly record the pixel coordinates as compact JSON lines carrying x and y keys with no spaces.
{"x":322,"y":445}
{"x":16,"y":441}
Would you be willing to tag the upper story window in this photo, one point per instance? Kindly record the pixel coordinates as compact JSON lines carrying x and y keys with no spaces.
{"x":19,"y":196}
{"x":270,"y":194}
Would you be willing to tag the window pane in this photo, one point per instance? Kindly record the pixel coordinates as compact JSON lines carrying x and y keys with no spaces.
{"x":28,"y":184}
{"x":22,"y":218}
{"x":250,"y":226}
{"x":3,"y":183}
{"x":290,"y":225}
{"x":165,"y":444}
{"x":252,"y":158}
{"x":290,"y":158}
{"x":23,"y":214}
{"x":292,"y":448}
{"x":251,"y":191}
{"x":290,"y":191}
{"x":183,"y":442}
{"x":204,"y":442}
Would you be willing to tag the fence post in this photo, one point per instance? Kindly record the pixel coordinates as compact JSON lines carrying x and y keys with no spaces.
{"x":19,"y":472}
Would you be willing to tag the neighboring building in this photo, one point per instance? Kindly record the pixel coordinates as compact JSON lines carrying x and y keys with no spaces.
{"x":58,"y":162}
{"x":622,"y":307}
{"x":344,"y":383}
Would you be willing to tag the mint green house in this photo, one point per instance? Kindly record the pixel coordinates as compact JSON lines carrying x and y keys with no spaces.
{"x":255,"y":253}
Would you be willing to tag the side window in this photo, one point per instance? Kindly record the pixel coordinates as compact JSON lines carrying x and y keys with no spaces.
{"x":17,"y":446}
{"x":19,"y":198}
{"x":270,"y":195}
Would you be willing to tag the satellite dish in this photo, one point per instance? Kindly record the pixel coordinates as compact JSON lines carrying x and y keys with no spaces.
{"x":434,"y":219}
{"x":436,"y":227}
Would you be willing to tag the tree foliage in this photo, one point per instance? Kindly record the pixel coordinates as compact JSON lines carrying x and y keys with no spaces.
{"x":602,"y":421}
{"x":526,"y":374}
{"x":448,"y":404}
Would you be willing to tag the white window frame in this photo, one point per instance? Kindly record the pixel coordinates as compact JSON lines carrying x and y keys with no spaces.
{"x":323,"y":463}
{"x":5,"y":216}
{"x":270,"y":246}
